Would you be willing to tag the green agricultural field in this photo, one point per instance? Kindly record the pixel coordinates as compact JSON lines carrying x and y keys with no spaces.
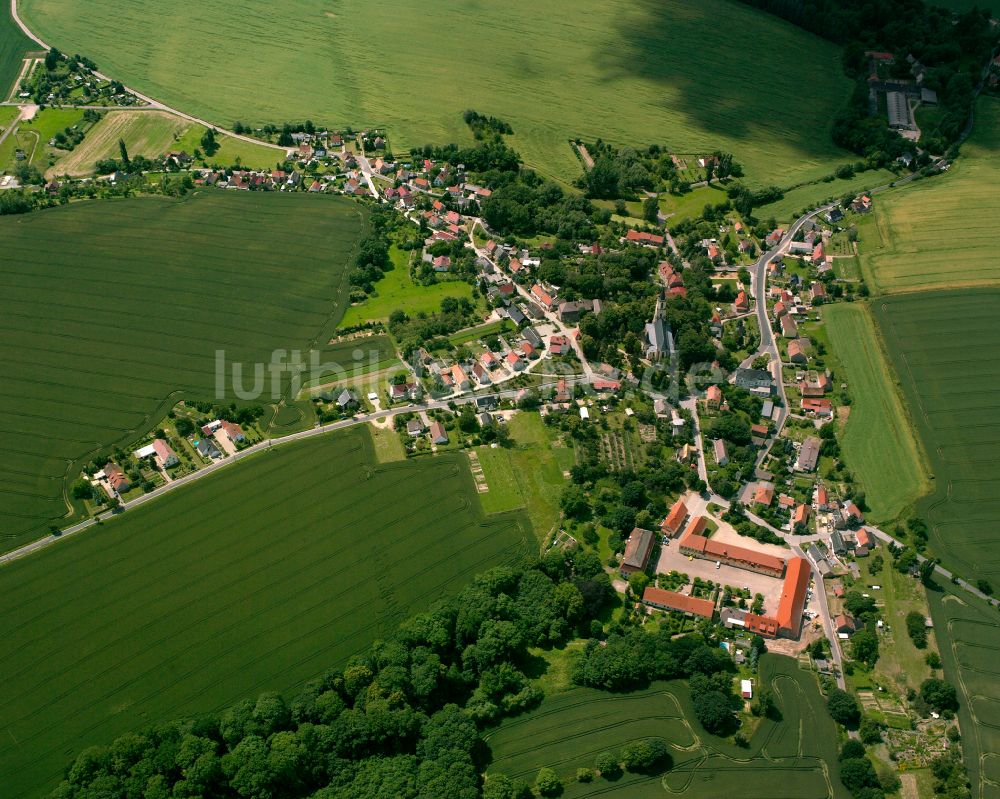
{"x":528,"y":474}
{"x":878,"y":440}
{"x":791,"y":759}
{"x":945,"y":346}
{"x":397,"y":291}
{"x":969,"y":636}
{"x":942,"y":233}
{"x":113,"y":311}
{"x":14,"y":45}
{"x":694,"y":77}
{"x":812,"y":194}
{"x":257,"y":578}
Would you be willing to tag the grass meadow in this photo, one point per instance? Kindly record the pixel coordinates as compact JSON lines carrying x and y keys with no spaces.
{"x":397,"y":291}
{"x":942,"y":233}
{"x":713,"y":75}
{"x":810,"y":195}
{"x":112,"y":312}
{"x":258,"y":578}
{"x":794,"y":758}
{"x":878,"y":440}
{"x":946,"y":349}
{"x":528,"y":474}
{"x":969,"y":636}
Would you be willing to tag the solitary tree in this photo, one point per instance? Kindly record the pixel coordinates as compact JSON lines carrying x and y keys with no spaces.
{"x":124,"y":152}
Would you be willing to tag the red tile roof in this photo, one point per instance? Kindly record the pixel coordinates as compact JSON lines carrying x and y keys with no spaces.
{"x":678,"y":513}
{"x":674,"y":601}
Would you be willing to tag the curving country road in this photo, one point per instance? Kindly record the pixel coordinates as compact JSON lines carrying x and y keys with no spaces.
{"x":153,"y":104}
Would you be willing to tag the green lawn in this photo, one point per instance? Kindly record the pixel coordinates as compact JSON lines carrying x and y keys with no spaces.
{"x":790,"y":759}
{"x":112,"y":311}
{"x":8,"y":114}
{"x":899,"y":660}
{"x":632,"y":73}
{"x":528,"y":474}
{"x":945,"y":346}
{"x":942,"y":233}
{"x":811,"y":195}
{"x":878,"y":440}
{"x":480,"y":331}
{"x":231,"y":151}
{"x":258,"y":578}
{"x":34,"y":134}
{"x":397,"y":291}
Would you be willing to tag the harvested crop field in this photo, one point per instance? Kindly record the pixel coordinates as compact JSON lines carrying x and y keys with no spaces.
{"x":632,"y":73}
{"x":148,"y":133}
{"x":945,"y":346}
{"x":257,"y":578}
{"x":791,"y":759}
{"x":942,"y":233}
{"x":878,"y":440}
{"x":969,"y":635}
{"x":152,"y":134}
{"x":113,"y":311}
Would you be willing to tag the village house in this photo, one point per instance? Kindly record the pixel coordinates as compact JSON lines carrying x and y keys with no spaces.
{"x":796,"y":352}
{"x":165,"y":453}
{"x":808,"y":455}
{"x":414,"y":428}
{"x":233,"y":431}
{"x":817,"y":406}
{"x":788,"y":327}
{"x":713,"y":397}
{"x":719,"y":451}
{"x":438,"y":434}
{"x":763,"y":494}
{"x":116,"y":478}
{"x":207,"y":449}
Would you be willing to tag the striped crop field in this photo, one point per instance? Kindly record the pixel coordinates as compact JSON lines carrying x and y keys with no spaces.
{"x":794,"y":758}
{"x":945,"y":346}
{"x":14,"y":46}
{"x":880,"y":445}
{"x":694,"y":77}
{"x":942,"y":232}
{"x":969,"y":636}
{"x":113,"y":311}
{"x":257,"y":578}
